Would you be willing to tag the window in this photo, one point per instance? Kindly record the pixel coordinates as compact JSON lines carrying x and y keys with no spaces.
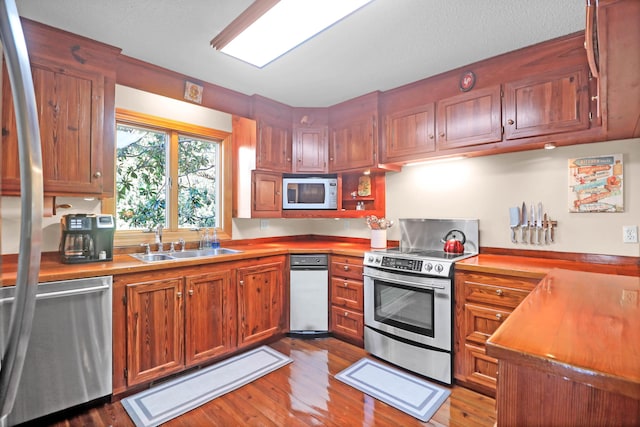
{"x":170,"y":174}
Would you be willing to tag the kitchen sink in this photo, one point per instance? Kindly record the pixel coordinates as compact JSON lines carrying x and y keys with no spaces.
{"x":196,"y":253}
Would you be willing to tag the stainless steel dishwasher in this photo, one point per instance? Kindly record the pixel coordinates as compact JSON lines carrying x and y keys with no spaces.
{"x":68,"y":360}
{"x":309,"y":294}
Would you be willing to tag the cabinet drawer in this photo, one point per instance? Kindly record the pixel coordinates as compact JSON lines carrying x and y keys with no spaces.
{"x":480,"y":322}
{"x":507,"y":297}
{"x":349,"y":267}
{"x":347,"y":293}
{"x":347,"y":322}
{"x":480,"y":368}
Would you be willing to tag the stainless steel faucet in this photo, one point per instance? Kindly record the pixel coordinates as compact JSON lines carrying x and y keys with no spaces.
{"x":159,"y":238}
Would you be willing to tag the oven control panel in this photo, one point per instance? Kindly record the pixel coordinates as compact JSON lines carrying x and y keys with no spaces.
{"x":413,"y":265}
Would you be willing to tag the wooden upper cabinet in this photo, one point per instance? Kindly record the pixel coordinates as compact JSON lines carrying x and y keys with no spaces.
{"x":409,"y":134}
{"x":552,"y":103}
{"x":353,"y":134}
{"x":469,"y":119}
{"x":310,"y":149}
{"x":74,"y":81}
{"x":273,"y":145}
{"x":353,"y":145}
{"x":266,"y":195}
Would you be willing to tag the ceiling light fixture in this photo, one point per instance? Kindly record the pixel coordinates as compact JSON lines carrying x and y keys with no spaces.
{"x":270,"y":28}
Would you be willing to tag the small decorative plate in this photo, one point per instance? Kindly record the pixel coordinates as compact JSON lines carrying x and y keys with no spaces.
{"x":467,"y":81}
{"x":193,"y":92}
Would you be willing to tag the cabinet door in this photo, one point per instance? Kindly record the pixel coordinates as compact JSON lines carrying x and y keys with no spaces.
{"x":155,"y":325}
{"x":209,"y":316}
{"x":347,"y":324}
{"x":267,"y":194}
{"x":70,"y":106}
{"x":347,"y":293}
{"x":273,"y":147}
{"x":260,"y":297}
{"x":353,"y":146}
{"x":310,"y":149}
{"x":470,"y":119}
{"x":554,"y":103}
{"x":410,"y":134}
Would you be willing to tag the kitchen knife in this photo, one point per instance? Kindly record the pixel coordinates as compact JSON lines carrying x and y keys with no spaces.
{"x":532,"y":220}
{"x":544,"y":230}
{"x":523,"y":223}
{"x":539,"y":223}
{"x":550,"y":231}
{"x":514,"y":221}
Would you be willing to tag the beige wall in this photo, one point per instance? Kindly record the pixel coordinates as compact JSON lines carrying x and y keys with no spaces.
{"x":485,"y":188}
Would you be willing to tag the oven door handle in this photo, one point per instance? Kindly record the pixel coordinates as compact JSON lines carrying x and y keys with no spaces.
{"x":407,"y":283}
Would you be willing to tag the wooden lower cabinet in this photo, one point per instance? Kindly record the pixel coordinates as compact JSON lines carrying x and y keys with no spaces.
{"x":210,"y":316}
{"x":165,"y":321}
{"x":482,"y":302}
{"x":347,"y":299}
{"x":260,"y":301}
{"x":155,"y":329}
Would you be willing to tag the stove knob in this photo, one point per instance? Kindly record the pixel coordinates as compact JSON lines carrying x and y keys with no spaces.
{"x":378,"y":260}
{"x":439,"y":268}
{"x":428,"y":267}
{"x":370,"y":259}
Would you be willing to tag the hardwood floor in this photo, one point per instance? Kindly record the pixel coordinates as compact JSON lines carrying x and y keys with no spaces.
{"x":305,"y":393}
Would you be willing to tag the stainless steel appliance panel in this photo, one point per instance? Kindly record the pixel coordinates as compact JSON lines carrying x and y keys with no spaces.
{"x":426,"y":233}
{"x":428,"y":362}
{"x":440,"y":305}
{"x":309,"y":293}
{"x":69,"y":358}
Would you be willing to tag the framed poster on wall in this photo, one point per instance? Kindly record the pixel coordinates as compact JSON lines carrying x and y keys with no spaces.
{"x":595,"y":184}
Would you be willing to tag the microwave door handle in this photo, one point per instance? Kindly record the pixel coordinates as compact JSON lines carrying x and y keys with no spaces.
{"x":30,"y":160}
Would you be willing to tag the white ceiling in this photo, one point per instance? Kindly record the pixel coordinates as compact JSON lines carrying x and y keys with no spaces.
{"x":384,"y":45}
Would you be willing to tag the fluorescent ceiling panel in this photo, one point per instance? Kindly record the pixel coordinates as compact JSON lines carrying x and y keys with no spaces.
{"x":286,"y":25}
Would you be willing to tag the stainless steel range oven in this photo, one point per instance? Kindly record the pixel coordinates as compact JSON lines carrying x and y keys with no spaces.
{"x":408,"y":297}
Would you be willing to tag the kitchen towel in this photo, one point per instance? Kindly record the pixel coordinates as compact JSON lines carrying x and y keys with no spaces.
{"x":168,"y":400}
{"x":408,"y":393}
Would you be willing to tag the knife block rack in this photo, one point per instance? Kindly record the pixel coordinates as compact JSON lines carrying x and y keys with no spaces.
{"x":545,"y":224}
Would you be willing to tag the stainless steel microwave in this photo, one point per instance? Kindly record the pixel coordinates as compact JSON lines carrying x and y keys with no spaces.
{"x":309,"y":192}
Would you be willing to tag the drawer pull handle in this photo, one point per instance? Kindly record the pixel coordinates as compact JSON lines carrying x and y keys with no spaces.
{"x":190,"y":292}
{"x":241,"y":282}
{"x":499,"y":316}
{"x":346,"y":268}
{"x":179,"y":294}
{"x":499,"y":292}
{"x":346,"y":285}
{"x":346,"y":314}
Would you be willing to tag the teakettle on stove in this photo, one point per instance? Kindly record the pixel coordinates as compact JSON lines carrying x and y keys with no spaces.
{"x":454,"y":242}
{"x":86,"y":238}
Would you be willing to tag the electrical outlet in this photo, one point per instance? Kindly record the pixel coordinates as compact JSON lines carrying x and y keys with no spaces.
{"x":630,"y":234}
{"x":264,"y":224}
{"x":629,"y":298}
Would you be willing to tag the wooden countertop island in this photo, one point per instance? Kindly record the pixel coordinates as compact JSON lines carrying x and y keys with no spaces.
{"x":569,"y":354}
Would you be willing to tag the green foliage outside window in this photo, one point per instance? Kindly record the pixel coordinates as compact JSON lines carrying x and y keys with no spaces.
{"x":141,"y":179}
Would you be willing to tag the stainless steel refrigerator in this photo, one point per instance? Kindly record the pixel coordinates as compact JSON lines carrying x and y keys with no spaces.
{"x":14,"y":339}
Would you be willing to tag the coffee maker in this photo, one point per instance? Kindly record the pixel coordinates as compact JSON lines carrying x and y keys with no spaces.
{"x":86,"y":238}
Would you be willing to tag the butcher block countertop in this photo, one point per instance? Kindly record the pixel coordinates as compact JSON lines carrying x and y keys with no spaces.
{"x":52,"y":269}
{"x":581,"y":326}
{"x":537,"y":268}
